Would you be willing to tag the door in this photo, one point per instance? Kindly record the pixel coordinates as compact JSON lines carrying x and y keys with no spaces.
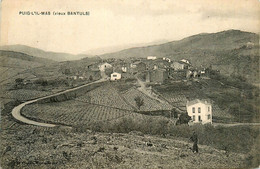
{"x":199,"y":118}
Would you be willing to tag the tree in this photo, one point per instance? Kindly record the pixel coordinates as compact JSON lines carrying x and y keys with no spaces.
{"x":139,"y":102}
{"x":184,"y":118}
{"x":67,"y":71}
{"x":18,"y":80}
{"x":174,"y":112}
{"x":90,"y":77}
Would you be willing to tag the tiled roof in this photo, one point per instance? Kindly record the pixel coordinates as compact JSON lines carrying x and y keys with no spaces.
{"x":184,"y":63}
{"x":115,"y":73}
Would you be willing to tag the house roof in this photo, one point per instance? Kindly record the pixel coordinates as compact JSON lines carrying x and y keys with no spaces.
{"x":183,"y":63}
{"x":105,"y":63}
{"x":190,"y":103}
{"x":115,"y":73}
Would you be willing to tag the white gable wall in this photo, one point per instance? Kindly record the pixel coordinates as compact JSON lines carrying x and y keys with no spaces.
{"x":104,"y":66}
{"x":115,"y":76}
{"x":151,"y":57}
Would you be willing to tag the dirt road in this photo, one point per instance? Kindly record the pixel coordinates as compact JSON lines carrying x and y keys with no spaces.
{"x":16,"y":112}
{"x":144,"y":90}
{"x":236,"y":124}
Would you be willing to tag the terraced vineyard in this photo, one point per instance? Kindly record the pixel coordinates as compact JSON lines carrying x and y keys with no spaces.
{"x":75,"y":112}
{"x":178,"y":100}
{"x":106,"y":95}
{"x":179,"y":93}
{"x":181,"y":100}
{"x":20,"y":95}
{"x":24,"y":94}
{"x":8,"y":74}
{"x":149,"y":103}
{"x":219,"y":112}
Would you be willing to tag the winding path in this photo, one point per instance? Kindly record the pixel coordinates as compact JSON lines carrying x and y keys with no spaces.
{"x":16,"y":112}
{"x":143,"y":89}
{"x":236,"y":124}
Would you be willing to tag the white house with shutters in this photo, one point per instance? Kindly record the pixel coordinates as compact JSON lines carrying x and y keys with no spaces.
{"x":115,"y":76}
{"x":200,"y":111}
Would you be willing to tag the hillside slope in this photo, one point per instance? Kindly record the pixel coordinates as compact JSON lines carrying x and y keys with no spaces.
{"x":232,"y":52}
{"x":41,"y":53}
{"x":15,"y":65}
{"x":39,"y":148}
{"x":214,"y":42}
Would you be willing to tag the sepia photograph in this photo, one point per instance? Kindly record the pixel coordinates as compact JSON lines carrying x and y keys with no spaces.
{"x":129,"y":84}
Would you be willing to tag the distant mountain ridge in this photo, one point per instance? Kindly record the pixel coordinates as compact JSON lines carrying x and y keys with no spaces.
{"x":56,"y":56}
{"x":24,"y":57}
{"x":225,"y":40}
{"x":112,"y":49}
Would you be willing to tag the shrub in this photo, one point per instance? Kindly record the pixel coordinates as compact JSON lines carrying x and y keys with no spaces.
{"x":175,"y":112}
{"x":19,"y":80}
{"x":91,"y":78}
{"x":184,"y":118}
{"x":253,"y":159}
{"x":139,"y":102}
{"x":41,"y":82}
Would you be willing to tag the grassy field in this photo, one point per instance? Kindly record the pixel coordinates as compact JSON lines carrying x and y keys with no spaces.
{"x":60,"y":148}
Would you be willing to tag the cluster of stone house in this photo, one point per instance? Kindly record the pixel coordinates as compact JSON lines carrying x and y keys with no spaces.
{"x":156,"y":70}
{"x":82,"y":72}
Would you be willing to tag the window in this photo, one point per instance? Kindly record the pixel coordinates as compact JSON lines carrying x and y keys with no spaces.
{"x":193,"y":109}
{"x":199,"y":110}
{"x":199,"y":118}
{"x":193,"y":117}
{"x":114,"y":75}
{"x":208,"y":116}
{"x":208,"y":109}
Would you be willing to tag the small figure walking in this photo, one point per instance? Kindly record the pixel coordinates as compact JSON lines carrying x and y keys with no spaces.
{"x":194,"y":139}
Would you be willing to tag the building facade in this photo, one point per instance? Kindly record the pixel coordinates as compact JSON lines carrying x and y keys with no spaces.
{"x":179,"y":65}
{"x":151,"y":57}
{"x":104,"y":66}
{"x":200,"y":111}
{"x":115,"y":76}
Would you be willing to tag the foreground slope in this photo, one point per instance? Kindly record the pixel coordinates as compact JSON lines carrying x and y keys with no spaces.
{"x":56,"y":147}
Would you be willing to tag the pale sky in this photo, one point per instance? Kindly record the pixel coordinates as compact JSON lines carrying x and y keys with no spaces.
{"x":121,"y":22}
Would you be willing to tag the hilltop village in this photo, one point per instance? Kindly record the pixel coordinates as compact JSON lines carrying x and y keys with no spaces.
{"x":149,"y":71}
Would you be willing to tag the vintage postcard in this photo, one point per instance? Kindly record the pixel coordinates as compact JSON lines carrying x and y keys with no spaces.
{"x":129,"y":84}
